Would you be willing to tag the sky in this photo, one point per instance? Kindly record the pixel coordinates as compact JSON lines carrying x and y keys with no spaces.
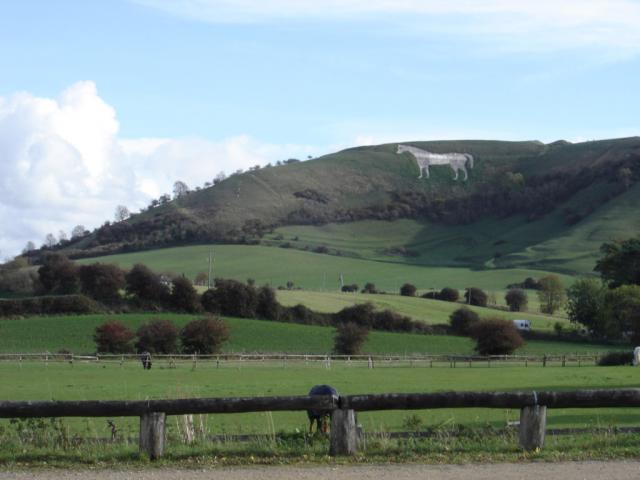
{"x":106,"y":103}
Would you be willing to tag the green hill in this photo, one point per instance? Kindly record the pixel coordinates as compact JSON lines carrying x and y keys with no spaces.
{"x":525,"y":204}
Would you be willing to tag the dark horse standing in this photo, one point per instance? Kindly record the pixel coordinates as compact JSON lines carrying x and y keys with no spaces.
{"x":320,"y":416}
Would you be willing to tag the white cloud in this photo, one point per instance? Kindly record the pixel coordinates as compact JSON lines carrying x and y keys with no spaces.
{"x":517,"y":25}
{"x":62,"y":163}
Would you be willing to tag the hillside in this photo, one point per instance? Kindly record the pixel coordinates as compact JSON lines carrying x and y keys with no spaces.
{"x":525,"y":204}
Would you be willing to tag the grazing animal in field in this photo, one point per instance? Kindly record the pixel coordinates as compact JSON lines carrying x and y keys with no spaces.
{"x":145,"y":358}
{"x":320,"y":417}
{"x":457,"y":161}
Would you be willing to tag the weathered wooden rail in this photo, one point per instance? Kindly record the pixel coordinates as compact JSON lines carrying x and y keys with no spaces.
{"x":344,"y":436}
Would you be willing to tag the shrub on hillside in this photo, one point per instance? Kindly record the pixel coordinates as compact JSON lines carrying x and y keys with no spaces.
{"x":49,"y":305}
{"x":204,"y":336}
{"x":448,"y":294}
{"x":496,"y":336}
{"x":304,"y":315}
{"x":462,"y":321}
{"x":408,"y":290}
{"x":369,"y":288}
{"x":184,"y":298}
{"x":350,"y":288}
{"x":516,"y":300}
{"x":113,"y":337}
{"x":365,"y":315}
{"x":478,"y":297}
{"x":349,"y":338}
{"x":267,"y":306}
{"x":101,"y":282}
{"x":616,"y":358}
{"x":157,"y":336}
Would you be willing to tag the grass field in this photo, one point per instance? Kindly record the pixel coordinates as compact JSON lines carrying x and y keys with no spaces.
{"x":313,"y":271}
{"x":75,"y":333}
{"x":80,"y":381}
{"x":428,"y":311}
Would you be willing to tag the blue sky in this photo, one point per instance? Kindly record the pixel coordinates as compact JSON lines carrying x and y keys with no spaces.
{"x":136,"y":94}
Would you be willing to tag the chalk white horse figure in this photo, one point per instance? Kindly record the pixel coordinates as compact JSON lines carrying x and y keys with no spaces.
{"x":424,"y":159}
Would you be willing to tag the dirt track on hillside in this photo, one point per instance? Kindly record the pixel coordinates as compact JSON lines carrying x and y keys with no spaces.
{"x":506,"y":471}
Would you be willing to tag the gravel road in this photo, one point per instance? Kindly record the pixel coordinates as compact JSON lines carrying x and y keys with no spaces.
{"x":504,"y":471}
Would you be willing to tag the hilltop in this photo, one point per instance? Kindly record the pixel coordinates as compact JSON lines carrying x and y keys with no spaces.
{"x":525,"y":204}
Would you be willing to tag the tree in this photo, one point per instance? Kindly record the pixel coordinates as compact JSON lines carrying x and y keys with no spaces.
{"x":622,"y":312}
{"x":516,"y":300}
{"x":146,"y":286}
{"x":58,"y":275}
{"x":122,"y":213}
{"x":184,"y":297}
{"x":204,"y":336}
{"x":463,"y":320}
{"x":50,"y":240}
{"x":62,"y":236}
{"x":221,"y":176}
{"x":620,"y":264}
{"x":113,"y":337}
{"x":551,"y":294}
{"x":585,"y":304}
{"x":268,"y":306}
{"x":101,"y":282}
{"x":408,"y":290}
{"x":475,"y":296}
{"x":78,"y":231}
{"x":157,"y":336}
{"x":180,"y":189}
{"x":201,"y":278}
{"x":232,"y":298}
{"x":496,"y":336}
{"x":349,"y":338}
{"x":29,"y":247}
{"x":369,"y":288}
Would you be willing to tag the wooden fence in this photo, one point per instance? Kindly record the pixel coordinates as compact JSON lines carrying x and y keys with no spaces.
{"x":344,"y":435}
{"x":326,"y":361}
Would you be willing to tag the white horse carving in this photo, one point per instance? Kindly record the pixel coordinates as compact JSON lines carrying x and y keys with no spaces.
{"x":424,"y":159}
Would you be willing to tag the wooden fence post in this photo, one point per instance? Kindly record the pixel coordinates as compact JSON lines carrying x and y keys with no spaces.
{"x":152,"y":434}
{"x":344,"y":434}
{"x":533,"y":422}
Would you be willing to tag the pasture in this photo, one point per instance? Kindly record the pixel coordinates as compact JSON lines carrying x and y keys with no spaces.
{"x":113,"y":380}
{"x":75,"y":333}
{"x":314,"y":271}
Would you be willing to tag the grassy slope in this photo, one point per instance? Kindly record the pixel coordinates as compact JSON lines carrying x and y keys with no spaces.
{"x":276,"y":266}
{"x":75,"y":333}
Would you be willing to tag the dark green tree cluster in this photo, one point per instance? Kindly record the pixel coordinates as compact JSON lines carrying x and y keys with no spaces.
{"x":493,"y":335}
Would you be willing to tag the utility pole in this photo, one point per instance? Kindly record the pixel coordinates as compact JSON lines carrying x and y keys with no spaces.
{"x":210,"y":268}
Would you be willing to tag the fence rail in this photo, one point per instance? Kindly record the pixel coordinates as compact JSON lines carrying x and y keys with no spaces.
{"x":371,"y":361}
{"x":344,"y":432}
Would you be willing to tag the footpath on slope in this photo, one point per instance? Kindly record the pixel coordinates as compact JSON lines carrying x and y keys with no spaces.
{"x":504,"y":471}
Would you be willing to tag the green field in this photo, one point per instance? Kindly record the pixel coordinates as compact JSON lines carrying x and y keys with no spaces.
{"x":81,"y":381}
{"x":428,"y":311}
{"x":313,"y":271}
{"x":75,"y":333}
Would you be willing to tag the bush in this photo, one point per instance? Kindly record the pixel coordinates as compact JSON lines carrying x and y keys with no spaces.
{"x":349,"y":338}
{"x":365,"y":315}
{"x":101,"y":282}
{"x":268,"y":306}
{"x":496,"y":336}
{"x":113,"y":337}
{"x":350,"y":288}
{"x":157,"y":336}
{"x":204,"y":336}
{"x":478,"y":297}
{"x":49,"y":305}
{"x":304,"y":315}
{"x":616,"y":358}
{"x":516,"y":299}
{"x":408,"y":290}
{"x":184,"y":298}
{"x":448,"y":294}
{"x":369,"y":288}
{"x":463,"y":320}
